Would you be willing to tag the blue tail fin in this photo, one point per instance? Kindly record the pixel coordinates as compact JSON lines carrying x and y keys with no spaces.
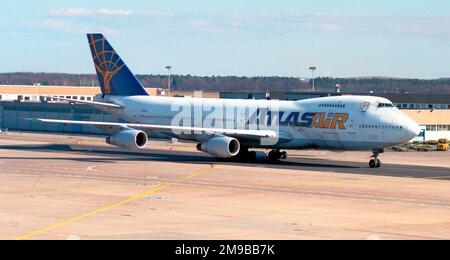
{"x":114,"y":76}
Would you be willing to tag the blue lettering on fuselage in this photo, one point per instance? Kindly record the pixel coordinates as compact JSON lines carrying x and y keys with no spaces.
{"x":309,"y":119}
{"x":291,"y":118}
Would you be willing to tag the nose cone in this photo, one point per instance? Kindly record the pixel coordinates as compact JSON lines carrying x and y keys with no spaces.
{"x":412,"y":129}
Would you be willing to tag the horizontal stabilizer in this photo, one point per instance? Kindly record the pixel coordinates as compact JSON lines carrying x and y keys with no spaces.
{"x":91,"y":103}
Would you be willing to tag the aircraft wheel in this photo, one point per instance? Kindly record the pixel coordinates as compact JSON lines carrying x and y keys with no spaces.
{"x":251,"y":156}
{"x":276,"y":155}
{"x":245,"y":156}
{"x":273,"y":156}
{"x":378,"y":163}
{"x":373,"y":164}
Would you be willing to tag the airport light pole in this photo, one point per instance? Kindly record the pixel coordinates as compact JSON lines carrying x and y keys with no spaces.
{"x":313,"y":70}
{"x":168,"y":79}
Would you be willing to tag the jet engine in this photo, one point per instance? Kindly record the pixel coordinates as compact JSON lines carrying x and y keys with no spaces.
{"x":221,"y":147}
{"x":129,"y":139}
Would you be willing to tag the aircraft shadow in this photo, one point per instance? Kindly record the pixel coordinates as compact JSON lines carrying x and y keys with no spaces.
{"x":309,"y":164}
{"x":153,"y":155}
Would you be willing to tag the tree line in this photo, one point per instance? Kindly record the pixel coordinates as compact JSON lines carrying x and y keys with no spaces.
{"x":236,"y":84}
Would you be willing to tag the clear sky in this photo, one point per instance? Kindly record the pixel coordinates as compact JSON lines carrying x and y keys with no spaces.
{"x":343,"y":38}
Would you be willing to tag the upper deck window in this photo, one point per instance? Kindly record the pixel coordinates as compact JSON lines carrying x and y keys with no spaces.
{"x":333,"y":105}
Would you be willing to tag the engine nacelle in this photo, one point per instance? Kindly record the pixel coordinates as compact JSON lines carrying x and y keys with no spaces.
{"x":129,"y":139}
{"x":221,"y":147}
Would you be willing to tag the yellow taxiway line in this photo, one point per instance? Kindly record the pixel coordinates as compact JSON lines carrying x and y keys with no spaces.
{"x":155,"y":188}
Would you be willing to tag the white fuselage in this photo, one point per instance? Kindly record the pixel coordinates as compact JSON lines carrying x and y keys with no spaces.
{"x":341,"y":123}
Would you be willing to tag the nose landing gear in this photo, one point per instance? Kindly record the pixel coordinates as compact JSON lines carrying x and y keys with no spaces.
{"x":375,"y":162}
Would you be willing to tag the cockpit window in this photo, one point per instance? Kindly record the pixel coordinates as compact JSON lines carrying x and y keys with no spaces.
{"x":385,"y":105}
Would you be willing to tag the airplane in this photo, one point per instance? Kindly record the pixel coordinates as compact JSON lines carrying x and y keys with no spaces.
{"x":229,"y":128}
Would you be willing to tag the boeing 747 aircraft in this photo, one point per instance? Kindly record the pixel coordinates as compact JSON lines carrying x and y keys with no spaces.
{"x":231,"y":128}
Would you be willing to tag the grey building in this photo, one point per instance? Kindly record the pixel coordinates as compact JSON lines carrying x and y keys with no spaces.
{"x":13,"y":116}
{"x":244,"y":95}
{"x":402,"y":101}
{"x":419,"y":101}
{"x":279,"y":95}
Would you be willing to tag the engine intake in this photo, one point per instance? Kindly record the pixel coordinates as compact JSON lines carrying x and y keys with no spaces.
{"x":129,"y":139}
{"x":221,"y":147}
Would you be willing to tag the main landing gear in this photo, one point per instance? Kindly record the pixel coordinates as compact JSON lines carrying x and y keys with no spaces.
{"x":276,"y":155}
{"x":375,"y":162}
{"x":245,"y":155}
{"x":251,"y":156}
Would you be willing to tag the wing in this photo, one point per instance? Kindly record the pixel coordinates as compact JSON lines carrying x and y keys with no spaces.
{"x":168,"y":128}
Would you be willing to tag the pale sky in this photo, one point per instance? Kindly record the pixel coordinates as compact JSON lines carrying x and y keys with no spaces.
{"x":343,"y":38}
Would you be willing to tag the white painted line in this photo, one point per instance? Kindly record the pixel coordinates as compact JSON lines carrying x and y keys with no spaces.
{"x":73,"y":237}
{"x":92,"y":169}
{"x":373,"y":238}
{"x":155,"y":198}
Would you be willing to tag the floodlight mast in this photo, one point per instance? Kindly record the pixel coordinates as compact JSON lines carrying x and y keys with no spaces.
{"x":313,"y":70}
{"x":169,"y":83}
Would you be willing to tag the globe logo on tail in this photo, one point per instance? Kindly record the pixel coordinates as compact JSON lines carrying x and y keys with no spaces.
{"x":106,"y":60}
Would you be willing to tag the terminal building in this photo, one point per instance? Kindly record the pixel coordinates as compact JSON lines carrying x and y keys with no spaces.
{"x":431,"y":112}
{"x":48,"y":93}
{"x":435,"y":124}
{"x":401,"y":101}
{"x":13,"y":116}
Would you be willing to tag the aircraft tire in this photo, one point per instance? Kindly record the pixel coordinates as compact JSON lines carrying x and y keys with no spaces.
{"x":378,"y":163}
{"x":373,"y":164}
